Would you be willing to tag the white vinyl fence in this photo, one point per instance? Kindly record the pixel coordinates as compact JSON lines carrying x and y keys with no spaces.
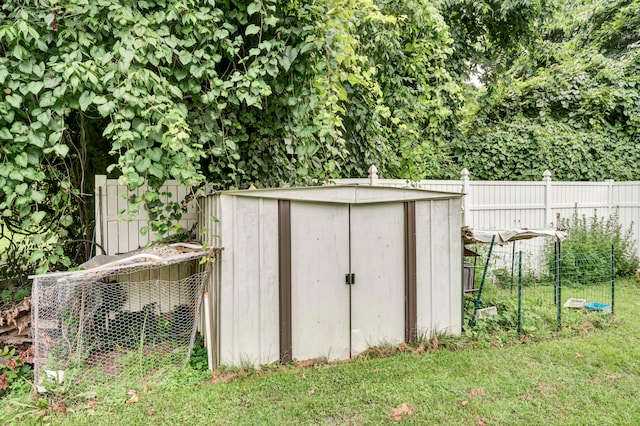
{"x":486,"y":204}
{"x":115,"y":235}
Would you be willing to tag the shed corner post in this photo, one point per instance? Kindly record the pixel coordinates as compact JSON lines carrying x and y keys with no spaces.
{"x":373,"y":175}
{"x":546,"y":178}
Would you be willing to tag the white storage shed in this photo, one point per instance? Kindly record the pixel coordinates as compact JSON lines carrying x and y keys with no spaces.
{"x":329,"y":271}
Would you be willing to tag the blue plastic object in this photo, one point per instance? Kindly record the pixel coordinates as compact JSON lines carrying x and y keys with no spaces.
{"x":600,"y":307}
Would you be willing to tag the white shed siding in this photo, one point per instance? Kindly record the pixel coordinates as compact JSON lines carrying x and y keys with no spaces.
{"x":439,"y":265}
{"x":455,"y":263}
{"x":424,"y":268}
{"x":249,"y":306}
{"x":364,"y":235}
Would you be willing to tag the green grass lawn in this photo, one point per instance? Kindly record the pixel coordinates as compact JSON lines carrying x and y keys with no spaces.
{"x":592,"y":378}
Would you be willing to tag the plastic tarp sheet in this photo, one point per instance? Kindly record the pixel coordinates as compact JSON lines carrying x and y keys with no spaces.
{"x":471,"y":235}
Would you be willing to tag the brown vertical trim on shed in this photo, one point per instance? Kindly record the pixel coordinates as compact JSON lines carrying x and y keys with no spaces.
{"x":284,"y":277}
{"x":410,"y":277}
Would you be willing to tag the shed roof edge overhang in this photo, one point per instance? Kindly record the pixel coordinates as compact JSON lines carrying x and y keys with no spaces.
{"x":345,"y":194}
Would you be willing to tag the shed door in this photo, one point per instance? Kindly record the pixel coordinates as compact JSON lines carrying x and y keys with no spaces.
{"x":377,"y":262}
{"x":329,"y":317}
{"x":319,"y":296}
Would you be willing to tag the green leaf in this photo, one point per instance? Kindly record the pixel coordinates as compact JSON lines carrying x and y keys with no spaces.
{"x":155,"y":154}
{"x":85,"y":100}
{"x":252,"y":29}
{"x":230,"y":144}
{"x":107,"y":108}
{"x":185,"y":57}
{"x":21,"y":189}
{"x":16,"y":175}
{"x":5,"y":134}
{"x":36,"y":139}
{"x":143,"y":165}
{"x":26,"y":66}
{"x":33,"y":155}
{"x":127,"y":56}
{"x":156,"y":171}
{"x":270,"y":21}
{"x":5,"y":169}
{"x":253,"y":8}
{"x":38,"y":69}
{"x":35,"y":87}
{"x":47,"y":99}
{"x":61,"y":150}
{"x":22,"y":160}
{"x":99,"y":100}
{"x":14,"y":100}
{"x":66,"y":221}
{"x":37,"y":255}
{"x":38,"y":196}
{"x":37,"y":217}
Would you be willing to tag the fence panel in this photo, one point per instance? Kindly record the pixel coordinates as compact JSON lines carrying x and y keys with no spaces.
{"x":486,"y":204}
{"x":120,"y":236}
{"x":507,"y":205}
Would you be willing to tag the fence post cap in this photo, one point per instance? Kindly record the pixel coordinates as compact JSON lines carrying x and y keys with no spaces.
{"x":373,"y":172}
{"x":465,"y":173}
{"x":546,"y":174}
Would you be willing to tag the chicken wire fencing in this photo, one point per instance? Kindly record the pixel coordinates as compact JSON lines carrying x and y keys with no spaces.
{"x":531,"y":286}
{"x":124,"y":316}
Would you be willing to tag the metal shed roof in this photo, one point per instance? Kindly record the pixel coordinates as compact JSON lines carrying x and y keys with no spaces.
{"x":345,"y":194}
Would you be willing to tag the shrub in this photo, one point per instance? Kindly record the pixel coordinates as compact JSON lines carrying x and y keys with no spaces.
{"x":586,"y":253}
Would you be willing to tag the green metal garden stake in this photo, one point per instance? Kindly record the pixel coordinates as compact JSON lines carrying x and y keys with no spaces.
{"x":472,"y":322}
{"x":555,"y":272}
{"x":519,"y":293}
{"x":559,"y":285}
{"x":513,"y":261}
{"x":613,"y":278}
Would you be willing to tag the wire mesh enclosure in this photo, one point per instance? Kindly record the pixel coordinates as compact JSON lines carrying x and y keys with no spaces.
{"x":532,"y":286}
{"x":126,"y":315}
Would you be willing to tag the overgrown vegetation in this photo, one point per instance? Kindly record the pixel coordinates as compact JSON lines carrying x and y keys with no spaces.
{"x":235,"y":93}
{"x":569,"y":103}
